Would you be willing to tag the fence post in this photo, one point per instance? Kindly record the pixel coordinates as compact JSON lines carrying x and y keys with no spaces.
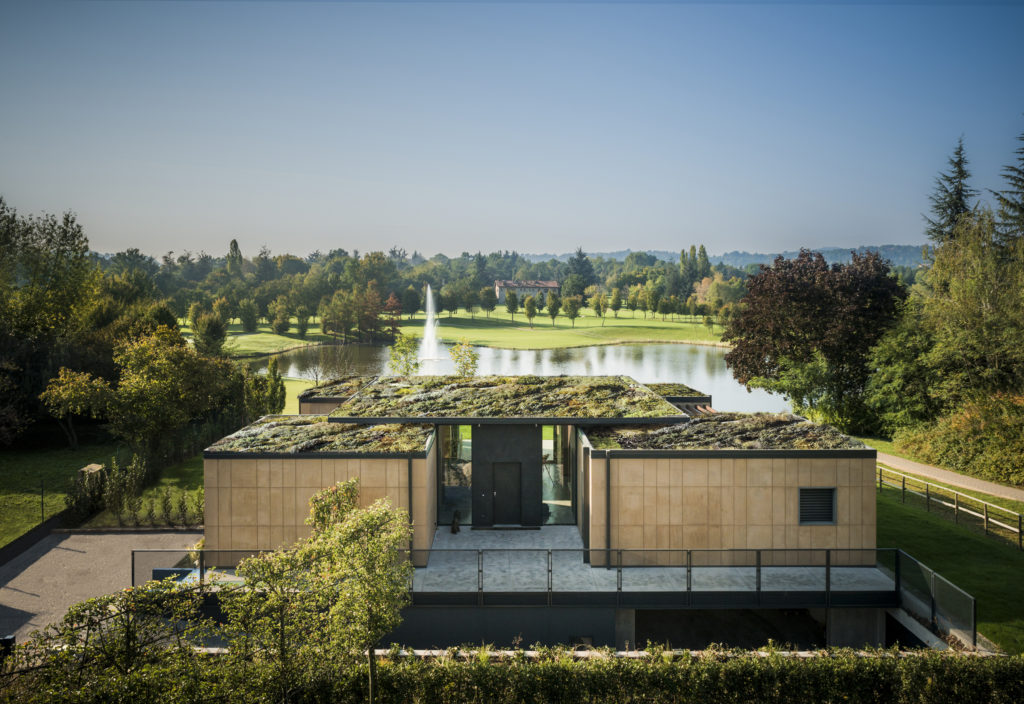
{"x":689,"y":570}
{"x":903,"y":489}
{"x":480,"y":577}
{"x":879,"y":478}
{"x":956,"y":507}
{"x":927,"y":497}
{"x":974,"y":622}
{"x":1020,"y":534}
{"x":133,"y":568}
{"x":985,"y":505}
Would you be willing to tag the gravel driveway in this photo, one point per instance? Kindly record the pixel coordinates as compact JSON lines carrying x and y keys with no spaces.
{"x":38,"y":586}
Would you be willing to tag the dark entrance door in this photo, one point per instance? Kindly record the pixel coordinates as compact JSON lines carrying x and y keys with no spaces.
{"x":507,"y":475}
{"x":507,"y":493}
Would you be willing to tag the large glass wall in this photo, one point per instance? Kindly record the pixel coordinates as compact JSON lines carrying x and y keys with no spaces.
{"x":556,"y":478}
{"x":456,"y":474}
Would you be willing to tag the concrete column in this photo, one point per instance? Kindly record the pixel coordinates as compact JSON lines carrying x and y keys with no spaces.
{"x":625,"y":629}
{"x":855,"y":628}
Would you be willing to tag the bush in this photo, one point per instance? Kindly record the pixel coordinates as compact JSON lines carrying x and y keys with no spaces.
{"x":85,"y":495}
{"x":984,"y":438}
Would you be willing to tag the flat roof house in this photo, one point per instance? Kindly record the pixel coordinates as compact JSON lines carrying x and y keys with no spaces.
{"x":523,"y":289}
{"x":592,"y":509}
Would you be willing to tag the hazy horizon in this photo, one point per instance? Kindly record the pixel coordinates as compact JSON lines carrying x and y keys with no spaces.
{"x":451,"y":127}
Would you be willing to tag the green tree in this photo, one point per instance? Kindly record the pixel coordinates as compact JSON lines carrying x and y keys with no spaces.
{"x":580,"y":265}
{"x":598,"y":302}
{"x":222,"y":307}
{"x":615,"y":302}
{"x":162,"y":384}
{"x":195,"y":310}
{"x":404,"y":355}
{"x":572,"y":305}
{"x":1010,"y":201}
{"x":488,"y":300}
{"x":805,"y":329}
{"x":280,"y":313}
{"x":302,"y":321}
{"x":511,"y":303}
{"x":470,"y":298}
{"x":465,"y":358}
{"x":248,"y":314}
{"x":411,"y":301}
{"x":530,"y":308}
{"x":233,"y":261}
{"x":554,"y":305}
{"x":265,"y":394}
{"x":210,"y":335}
{"x":952,"y":197}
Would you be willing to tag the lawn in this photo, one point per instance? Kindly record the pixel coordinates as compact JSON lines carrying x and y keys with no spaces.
{"x":501,"y":330}
{"x":292,"y":388}
{"x":988,"y":569}
{"x":21,"y":471}
{"x":264,"y":341}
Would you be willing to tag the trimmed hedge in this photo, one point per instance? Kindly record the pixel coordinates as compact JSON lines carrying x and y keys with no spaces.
{"x":886,"y":677}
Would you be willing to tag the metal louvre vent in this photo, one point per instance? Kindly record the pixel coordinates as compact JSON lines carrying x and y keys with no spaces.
{"x":817,"y":506}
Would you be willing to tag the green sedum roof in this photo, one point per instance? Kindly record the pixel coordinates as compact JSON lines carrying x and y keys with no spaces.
{"x":674,"y":390}
{"x":538,"y":397}
{"x":309,"y":433}
{"x":339,"y":388}
{"x":718,"y":431}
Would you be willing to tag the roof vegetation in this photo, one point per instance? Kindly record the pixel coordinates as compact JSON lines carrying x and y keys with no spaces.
{"x":506,"y":397}
{"x":338,"y":388}
{"x":674,"y":389}
{"x":310,"y":433}
{"x":714,"y":431}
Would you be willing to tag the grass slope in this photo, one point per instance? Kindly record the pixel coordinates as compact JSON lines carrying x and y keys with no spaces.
{"x":500,"y":330}
{"x":987,"y":569}
{"x":21,"y":473}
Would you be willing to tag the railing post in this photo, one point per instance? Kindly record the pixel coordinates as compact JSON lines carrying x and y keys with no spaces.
{"x":899,"y":584}
{"x":985,"y":505}
{"x":550,"y":580}
{"x":202,"y":566}
{"x":480,"y":577}
{"x":689,"y":570}
{"x":931,"y":591}
{"x":828,"y":578}
{"x":974,"y":622}
{"x":758,"y":573}
{"x":927,"y":497}
{"x":903,"y":490}
{"x":618,"y":573}
{"x":1020,"y":533}
{"x":879,"y":477}
{"x":133,"y":568}
{"x":956,"y":507}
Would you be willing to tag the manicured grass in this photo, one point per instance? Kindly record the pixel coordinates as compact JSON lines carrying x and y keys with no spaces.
{"x":264,"y":340}
{"x":20,"y":474}
{"x":987,"y":569}
{"x":500,"y":330}
{"x":294,"y":387}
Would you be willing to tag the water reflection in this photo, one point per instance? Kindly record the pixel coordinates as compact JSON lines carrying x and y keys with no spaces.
{"x":696,"y":365}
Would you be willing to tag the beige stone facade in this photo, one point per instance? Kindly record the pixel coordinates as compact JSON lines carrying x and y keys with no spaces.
{"x":317,"y":406}
{"x":263,"y":503}
{"x":732,"y":500}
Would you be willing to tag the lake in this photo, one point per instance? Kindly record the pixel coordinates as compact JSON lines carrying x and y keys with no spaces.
{"x":699,"y":366}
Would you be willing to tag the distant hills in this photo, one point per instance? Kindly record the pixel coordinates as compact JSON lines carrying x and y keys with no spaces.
{"x":897,"y":254}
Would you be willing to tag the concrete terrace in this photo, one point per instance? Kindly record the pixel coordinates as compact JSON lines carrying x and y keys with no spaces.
{"x":517,"y":561}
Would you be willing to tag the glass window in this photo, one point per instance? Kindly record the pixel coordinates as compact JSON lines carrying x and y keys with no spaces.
{"x":456,"y":475}
{"x":556,"y":480}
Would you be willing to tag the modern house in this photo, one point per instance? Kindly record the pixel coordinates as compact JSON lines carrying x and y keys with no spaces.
{"x":590,"y":509}
{"x":522,"y":289}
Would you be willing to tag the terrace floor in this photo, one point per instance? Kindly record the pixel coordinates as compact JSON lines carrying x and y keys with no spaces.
{"x":518,"y":561}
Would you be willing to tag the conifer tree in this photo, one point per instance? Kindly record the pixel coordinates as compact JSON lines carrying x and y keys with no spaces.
{"x":951,"y":198}
{"x":1010,"y":214}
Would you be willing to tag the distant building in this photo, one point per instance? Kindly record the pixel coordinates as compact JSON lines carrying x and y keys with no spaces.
{"x":523,"y":288}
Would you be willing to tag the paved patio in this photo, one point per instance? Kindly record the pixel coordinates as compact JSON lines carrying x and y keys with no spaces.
{"x":517,"y":561}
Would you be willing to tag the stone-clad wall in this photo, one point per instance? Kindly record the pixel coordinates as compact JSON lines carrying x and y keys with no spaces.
{"x":316,"y":406}
{"x":262,"y":504}
{"x":678,"y":503}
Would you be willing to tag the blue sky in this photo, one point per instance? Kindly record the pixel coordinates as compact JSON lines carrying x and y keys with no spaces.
{"x":480,"y":126}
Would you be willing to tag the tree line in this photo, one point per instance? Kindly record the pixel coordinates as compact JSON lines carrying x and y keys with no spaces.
{"x":938,"y":365}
